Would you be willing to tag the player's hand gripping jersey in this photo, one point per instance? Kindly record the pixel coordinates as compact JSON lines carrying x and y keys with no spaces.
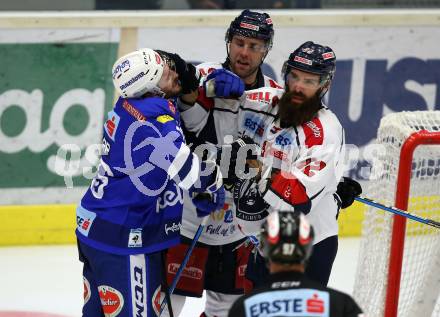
{"x":134,"y":203}
{"x":215,"y":121}
{"x":301,"y":165}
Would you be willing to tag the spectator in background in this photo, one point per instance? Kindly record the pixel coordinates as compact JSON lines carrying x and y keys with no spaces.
{"x":128,"y":4}
{"x":242,"y":4}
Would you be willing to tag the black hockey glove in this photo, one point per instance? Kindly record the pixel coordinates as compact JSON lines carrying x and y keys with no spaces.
{"x":228,"y":164}
{"x":347,"y":190}
{"x":187,"y":72}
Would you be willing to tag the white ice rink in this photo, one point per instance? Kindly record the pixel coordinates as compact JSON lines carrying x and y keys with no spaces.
{"x":48,"y":280}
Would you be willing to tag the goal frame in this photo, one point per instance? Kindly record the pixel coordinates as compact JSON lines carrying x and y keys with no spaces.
{"x":416,"y":139}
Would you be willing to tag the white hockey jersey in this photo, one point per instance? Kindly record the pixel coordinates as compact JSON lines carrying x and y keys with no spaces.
{"x":307,"y":160}
{"x":214,"y":120}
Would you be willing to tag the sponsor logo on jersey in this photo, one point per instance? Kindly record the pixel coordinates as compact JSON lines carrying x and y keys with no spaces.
{"x":174,"y":227}
{"x":189,"y":271}
{"x":135,"y":238}
{"x":249,"y":26}
{"x":328,"y":55}
{"x":220,"y":230}
{"x":295,"y":302}
{"x":283,"y":139}
{"x":315,"y":129}
{"x":84,"y":220}
{"x":111,"y":125}
{"x":254,"y":125}
{"x":163,"y":148}
{"x":285,"y":284}
{"x":132,"y":80}
{"x":86,"y":294}
{"x":250,"y":205}
{"x":112,"y":300}
{"x":261,"y":96}
{"x":302,"y":60}
{"x":315,"y":305}
{"x":138,"y":278}
{"x":169,"y":198}
{"x":164,"y":118}
{"x":133,"y":111}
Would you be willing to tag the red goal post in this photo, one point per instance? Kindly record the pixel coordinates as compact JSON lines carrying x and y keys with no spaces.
{"x":399,"y":259}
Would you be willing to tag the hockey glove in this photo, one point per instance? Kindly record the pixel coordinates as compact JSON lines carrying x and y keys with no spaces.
{"x":347,"y":190}
{"x":226,"y":84}
{"x":208,"y":202}
{"x":186,"y":71}
{"x":228,"y":165}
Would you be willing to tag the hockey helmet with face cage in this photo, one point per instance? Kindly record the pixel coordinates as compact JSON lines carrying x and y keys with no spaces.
{"x":252,"y":24}
{"x":287,"y":237}
{"x":137,"y":73}
{"x":312,"y":58}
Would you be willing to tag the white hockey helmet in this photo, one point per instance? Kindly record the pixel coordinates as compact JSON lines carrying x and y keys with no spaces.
{"x":137,"y":73}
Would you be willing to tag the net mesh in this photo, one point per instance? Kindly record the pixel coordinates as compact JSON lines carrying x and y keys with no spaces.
{"x":420,"y":279}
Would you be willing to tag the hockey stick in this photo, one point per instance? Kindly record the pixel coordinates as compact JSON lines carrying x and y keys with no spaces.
{"x":399,"y":212}
{"x":185,"y":261}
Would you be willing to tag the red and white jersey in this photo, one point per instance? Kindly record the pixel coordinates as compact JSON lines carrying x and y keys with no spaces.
{"x":307,"y":158}
{"x":214,"y":120}
{"x":308,"y":166}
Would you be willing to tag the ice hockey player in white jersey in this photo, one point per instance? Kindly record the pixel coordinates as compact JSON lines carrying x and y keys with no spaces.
{"x":217,"y":265}
{"x":302,"y":151}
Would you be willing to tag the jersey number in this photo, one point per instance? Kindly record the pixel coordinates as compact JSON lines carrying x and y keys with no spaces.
{"x":288,"y":248}
{"x":100,"y":180}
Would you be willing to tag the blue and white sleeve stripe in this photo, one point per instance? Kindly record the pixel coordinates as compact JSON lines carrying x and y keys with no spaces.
{"x":185,"y":168}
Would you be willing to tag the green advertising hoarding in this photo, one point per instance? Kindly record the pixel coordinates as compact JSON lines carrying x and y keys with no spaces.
{"x":51,"y":95}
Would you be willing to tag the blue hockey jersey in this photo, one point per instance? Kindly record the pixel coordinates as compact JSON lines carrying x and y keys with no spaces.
{"x":134,"y":203}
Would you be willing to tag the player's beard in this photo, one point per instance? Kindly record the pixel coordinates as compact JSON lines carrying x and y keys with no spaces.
{"x":292,"y":113}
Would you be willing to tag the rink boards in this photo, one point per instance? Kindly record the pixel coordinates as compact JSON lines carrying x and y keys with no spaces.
{"x":56,"y":89}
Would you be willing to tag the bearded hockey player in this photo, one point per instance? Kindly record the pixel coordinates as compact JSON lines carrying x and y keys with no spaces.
{"x":302,"y":149}
{"x":132,"y":210}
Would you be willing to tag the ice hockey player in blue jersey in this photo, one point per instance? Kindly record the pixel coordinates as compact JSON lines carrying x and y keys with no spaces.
{"x":132,"y":210}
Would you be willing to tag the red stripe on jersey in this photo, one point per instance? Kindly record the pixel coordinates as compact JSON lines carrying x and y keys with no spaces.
{"x":314,"y":133}
{"x":289,"y":188}
{"x":205,"y":102}
{"x":274,"y":84}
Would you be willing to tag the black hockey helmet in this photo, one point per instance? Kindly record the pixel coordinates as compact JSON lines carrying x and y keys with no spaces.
{"x":252,"y":24}
{"x":287,"y":237}
{"x":313,"y":58}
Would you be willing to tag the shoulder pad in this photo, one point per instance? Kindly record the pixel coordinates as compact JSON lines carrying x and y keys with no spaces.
{"x":154,"y":106}
{"x":208,"y":67}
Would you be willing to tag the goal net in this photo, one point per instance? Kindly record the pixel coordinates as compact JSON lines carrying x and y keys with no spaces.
{"x":398,"y":272}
